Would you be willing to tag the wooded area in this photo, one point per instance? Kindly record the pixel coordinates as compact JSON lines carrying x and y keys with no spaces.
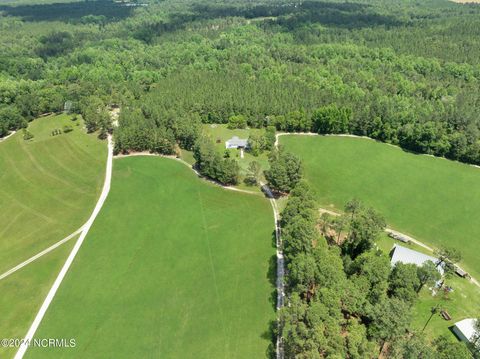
{"x":404,"y":74}
{"x":345,"y":299}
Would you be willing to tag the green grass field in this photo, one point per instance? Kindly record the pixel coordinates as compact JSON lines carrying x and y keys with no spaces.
{"x":23,"y":292}
{"x":435,"y":200}
{"x":173,"y":267}
{"x":48,"y":186}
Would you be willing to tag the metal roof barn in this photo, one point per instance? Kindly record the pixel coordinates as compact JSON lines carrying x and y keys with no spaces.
{"x":407,"y":255}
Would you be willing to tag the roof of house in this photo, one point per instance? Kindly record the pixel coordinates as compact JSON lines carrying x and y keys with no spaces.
{"x":407,"y":255}
{"x":238,"y":142}
{"x":466,"y":327}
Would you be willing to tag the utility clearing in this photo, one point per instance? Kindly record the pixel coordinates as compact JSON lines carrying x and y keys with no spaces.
{"x":173,"y":265}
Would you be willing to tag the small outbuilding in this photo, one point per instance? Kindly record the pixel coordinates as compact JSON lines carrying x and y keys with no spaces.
{"x":465,"y":330}
{"x":236,"y":142}
{"x":399,"y":237}
{"x":407,"y":255}
{"x":460,"y":272}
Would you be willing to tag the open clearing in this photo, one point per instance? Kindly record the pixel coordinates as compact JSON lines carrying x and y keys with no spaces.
{"x":48,"y":186}
{"x":220,"y":132}
{"x":434,"y":200}
{"x":172,"y":267}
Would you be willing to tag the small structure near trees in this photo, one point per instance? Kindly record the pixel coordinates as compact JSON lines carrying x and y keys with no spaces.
{"x":466,"y":331}
{"x":461,"y":272}
{"x":399,"y":237}
{"x":407,"y":255}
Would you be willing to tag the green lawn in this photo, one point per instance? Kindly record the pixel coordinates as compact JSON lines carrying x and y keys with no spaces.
{"x":463,"y":302}
{"x":48,"y":186}
{"x":23,"y":292}
{"x":173,"y":267}
{"x":435,"y":200}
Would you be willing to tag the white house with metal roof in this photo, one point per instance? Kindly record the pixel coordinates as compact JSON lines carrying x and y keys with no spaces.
{"x":407,"y":255}
{"x":465,"y":330}
{"x":236,"y":142}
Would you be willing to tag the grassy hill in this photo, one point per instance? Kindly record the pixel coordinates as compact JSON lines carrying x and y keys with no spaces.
{"x":434,"y":200}
{"x":173,"y":267}
{"x":48,"y":186}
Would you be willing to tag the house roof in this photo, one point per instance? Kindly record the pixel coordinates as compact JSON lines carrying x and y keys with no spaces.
{"x":407,"y":255}
{"x":466,"y":327}
{"x":239,"y":142}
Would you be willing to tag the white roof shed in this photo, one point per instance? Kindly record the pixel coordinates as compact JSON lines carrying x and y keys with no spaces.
{"x":407,"y":256}
{"x":465,"y":330}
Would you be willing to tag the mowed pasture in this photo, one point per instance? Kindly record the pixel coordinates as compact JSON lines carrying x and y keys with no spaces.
{"x":23,"y":292}
{"x":48,"y":186}
{"x":173,"y":267}
{"x":435,"y":200}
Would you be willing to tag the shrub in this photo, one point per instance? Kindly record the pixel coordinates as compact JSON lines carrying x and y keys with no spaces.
{"x":67,"y":129}
{"x":27,"y":135}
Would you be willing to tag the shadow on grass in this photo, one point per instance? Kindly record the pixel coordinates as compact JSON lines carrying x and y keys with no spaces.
{"x":272,"y":278}
{"x":271,"y":335}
